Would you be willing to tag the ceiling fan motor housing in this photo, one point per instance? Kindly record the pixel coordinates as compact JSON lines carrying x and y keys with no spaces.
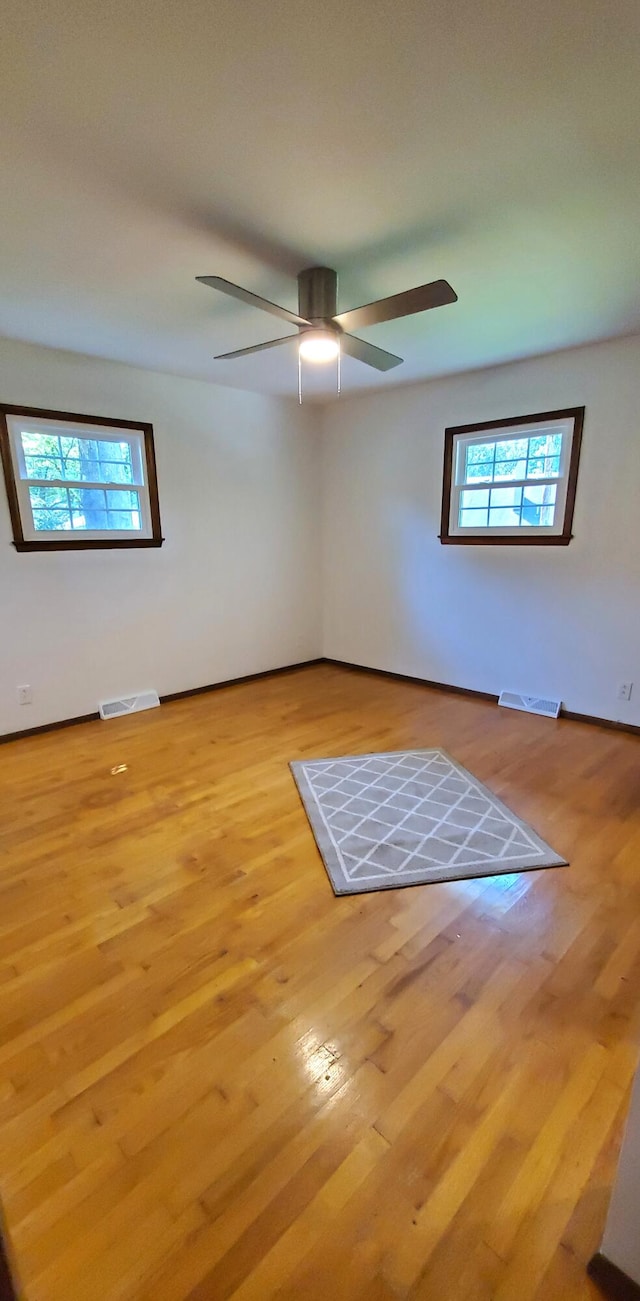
{"x":318,"y":295}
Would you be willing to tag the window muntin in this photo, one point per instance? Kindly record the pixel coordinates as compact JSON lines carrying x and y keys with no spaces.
{"x":77,"y":482}
{"x":511,"y":480}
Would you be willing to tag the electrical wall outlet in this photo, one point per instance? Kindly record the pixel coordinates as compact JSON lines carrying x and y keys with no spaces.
{"x":624,"y":690}
{"x":25,"y":695}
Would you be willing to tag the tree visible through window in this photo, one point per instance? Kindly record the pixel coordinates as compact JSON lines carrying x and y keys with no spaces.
{"x":512,"y":480}
{"x":75,"y":480}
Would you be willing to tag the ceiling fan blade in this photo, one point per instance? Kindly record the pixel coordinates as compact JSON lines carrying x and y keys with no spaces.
{"x":366,"y":352}
{"x":257,"y":347}
{"x":254,"y":300}
{"x":437,"y":294}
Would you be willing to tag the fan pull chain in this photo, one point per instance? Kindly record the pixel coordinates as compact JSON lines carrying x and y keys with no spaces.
{"x":338,"y":374}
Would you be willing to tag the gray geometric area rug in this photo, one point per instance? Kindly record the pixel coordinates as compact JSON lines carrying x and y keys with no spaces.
{"x":409,"y":817}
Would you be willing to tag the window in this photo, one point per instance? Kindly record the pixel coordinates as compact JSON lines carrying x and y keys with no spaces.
{"x":78,"y":481}
{"x":512,"y":481}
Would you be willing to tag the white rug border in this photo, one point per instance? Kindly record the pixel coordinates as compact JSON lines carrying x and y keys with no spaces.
{"x":330,"y":853}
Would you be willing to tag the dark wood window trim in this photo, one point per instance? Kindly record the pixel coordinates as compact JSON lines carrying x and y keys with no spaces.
{"x":511,"y":540}
{"x":78,"y":543}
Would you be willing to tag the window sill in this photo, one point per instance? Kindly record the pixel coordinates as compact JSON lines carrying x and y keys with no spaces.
{"x":559,"y":540}
{"x":89,"y":544}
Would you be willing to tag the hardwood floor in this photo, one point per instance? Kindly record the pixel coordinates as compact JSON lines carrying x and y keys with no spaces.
{"x":217,"y":1080}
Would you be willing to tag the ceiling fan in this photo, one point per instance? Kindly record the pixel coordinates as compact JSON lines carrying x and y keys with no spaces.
{"x":323,"y":332}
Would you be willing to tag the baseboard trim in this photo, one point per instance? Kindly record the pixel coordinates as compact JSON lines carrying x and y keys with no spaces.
{"x":7,"y":1290}
{"x":47,"y":727}
{"x":237,"y":682}
{"x":164,"y":700}
{"x":8,"y":1276}
{"x":634,"y":728}
{"x":615,"y":1284}
{"x":307,"y":664}
{"x":418,"y":682}
{"x":478,"y":695}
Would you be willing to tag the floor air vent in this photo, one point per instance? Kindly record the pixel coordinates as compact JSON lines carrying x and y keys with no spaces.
{"x":129,"y":704}
{"x":530,"y":704}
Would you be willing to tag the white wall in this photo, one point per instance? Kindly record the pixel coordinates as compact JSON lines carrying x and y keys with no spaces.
{"x":563,"y":621}
{"x":234,"y":588}
{"x":621,"y":1243}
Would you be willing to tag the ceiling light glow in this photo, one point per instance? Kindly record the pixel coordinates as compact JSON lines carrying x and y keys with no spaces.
{"x":319,"y":345}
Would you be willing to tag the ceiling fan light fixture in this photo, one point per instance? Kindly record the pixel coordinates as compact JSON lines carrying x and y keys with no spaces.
{"x":319,"y":345}
{"x":325,"y":334}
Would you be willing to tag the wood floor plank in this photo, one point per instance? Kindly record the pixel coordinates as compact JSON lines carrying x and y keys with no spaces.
{"x":219,"y":1080}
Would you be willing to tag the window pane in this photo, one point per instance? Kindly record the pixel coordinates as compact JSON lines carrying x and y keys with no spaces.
{"x":546,"y":444}
{"x":89,"y":462}
{"x":474,"y":497}
{"x":122,"y":500}
{"x":70,"y":444}
{"x":543,"y":468}
{"x":473,"y":519}
{"x":40,"y":444}
{"x":87,"y":499}
{"x":480,"y":473}
{"x":555,"y":444}
{"x":51,"y":519}
{"x":101,"y":509}
{"x":34,"y":445}
{"x":124,"y":519}
{"x":110,"y":451}
{"x":76,"y":459}
{"x":89,"y":519}
{"x":480,"y":452}
{"x":504,"y":517}
{"x":534,"y":457}
{"x":511,"y":469}
{"x":540,"y":494}
{"x":538,"y":505}
{"x":506,"y":496}
{"x":70,"y":449}
{"x":512,"y":449}
{"x":49,"y":508}
{"x":43,"y":467}
{"x":116,"y":472}
{"x":95,"y":461}
{"x":48,"y":497}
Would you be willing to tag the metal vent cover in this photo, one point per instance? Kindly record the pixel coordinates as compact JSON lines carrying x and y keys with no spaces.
{"x":129,"y":704}
{"x":530,"y":704}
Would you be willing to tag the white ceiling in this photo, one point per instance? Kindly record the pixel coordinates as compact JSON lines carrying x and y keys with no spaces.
{"x":494,"y":143}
